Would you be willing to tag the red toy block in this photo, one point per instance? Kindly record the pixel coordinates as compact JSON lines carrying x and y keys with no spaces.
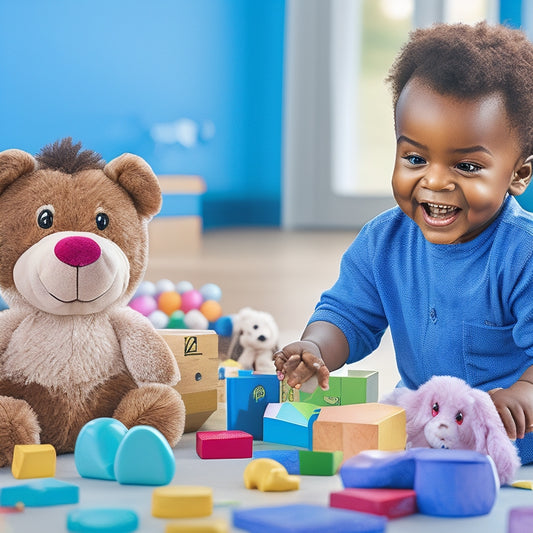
{"x":392,"y":503}
{"x":230,"y":444}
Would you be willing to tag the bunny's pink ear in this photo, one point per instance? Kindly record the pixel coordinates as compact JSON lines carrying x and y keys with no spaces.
{"x":490,"y":437}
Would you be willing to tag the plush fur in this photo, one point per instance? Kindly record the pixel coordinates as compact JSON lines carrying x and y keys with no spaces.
{"x":73,"y":248}
{"x":445,"y":412}
{"x":255,"y":339}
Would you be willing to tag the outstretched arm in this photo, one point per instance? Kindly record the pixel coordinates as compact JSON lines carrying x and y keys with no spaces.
{"x":515,"y":405}
{"x":147,"y":356}
{"x":323,"y":347}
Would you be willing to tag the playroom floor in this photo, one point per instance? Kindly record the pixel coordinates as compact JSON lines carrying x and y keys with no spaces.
{"x":282,"y":273}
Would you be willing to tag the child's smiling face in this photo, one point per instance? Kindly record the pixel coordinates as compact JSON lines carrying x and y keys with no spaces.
{"x":455,"y":161}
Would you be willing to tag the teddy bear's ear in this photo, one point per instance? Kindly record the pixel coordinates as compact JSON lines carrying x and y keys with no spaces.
{"x":134,"y":174}
{"x":13,"y":164}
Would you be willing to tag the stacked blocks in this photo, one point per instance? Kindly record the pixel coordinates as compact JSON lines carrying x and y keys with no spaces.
{"x":448,"y":483}
{"x":392,"y":503}
{"x":268,"y":475}
{"x":182,"y":501}
{"x":33,"y":461}
{"x":306,"y":519}
{"x":354,"y":428}
{"x":224,"y":444}
{"x":247,"y":399}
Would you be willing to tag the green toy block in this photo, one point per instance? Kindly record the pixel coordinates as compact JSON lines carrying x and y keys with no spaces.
{"x":359,"y":386}
{"x":319,"y":463}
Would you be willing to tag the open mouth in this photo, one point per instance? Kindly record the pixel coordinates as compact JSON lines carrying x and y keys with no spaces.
{"x":439,"y":214}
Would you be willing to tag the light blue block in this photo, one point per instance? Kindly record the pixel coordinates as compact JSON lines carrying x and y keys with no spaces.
{"x":102,"y":520}
{"x":96,"y":448}
{"x":290,"y":459}
{"x":40,"y":493}
{"x":144,"y":457}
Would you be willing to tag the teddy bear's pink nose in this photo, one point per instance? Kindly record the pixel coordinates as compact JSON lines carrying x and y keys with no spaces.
{"x":77,"y":251}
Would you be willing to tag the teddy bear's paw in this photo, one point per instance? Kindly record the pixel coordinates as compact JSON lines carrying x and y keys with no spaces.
{"x":18,"y":425}
{"x":156,"y":405}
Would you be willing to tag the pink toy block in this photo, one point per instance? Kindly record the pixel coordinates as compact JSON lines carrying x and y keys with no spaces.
{"x":231,"y":444}
{"x":520,"y":519}
{"x":392,"y":503}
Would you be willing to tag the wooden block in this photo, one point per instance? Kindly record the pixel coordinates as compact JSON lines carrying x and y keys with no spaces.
{"x":354,"y":428}
{"x":392,"y":503}
{"x":196,"y":353}
{"x":314,"y":463}
{"x":268,"y":475}
{"x":224,"y":444}
{"x":214,"y":525}
{"x":182,"y":501}
{"x":33,"y":461}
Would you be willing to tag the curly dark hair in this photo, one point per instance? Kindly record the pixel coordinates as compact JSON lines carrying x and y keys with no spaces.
{"x":68,"y":157}
{"x":469,"y":62}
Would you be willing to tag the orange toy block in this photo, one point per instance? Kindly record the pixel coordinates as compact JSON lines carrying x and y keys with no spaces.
{"x":354,"y":428}
{"x":33,"y":461}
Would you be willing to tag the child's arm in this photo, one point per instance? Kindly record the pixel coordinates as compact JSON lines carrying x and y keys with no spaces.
{"x":323,"y":347}
{"x":515,"y":405}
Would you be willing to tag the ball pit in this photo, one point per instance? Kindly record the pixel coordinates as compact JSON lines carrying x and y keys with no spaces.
{"x":181,"y":306}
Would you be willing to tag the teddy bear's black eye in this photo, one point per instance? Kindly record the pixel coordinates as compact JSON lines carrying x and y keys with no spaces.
{"x":45,"y":219}
{"x":102,"y":221}
{"x":435,"y":409}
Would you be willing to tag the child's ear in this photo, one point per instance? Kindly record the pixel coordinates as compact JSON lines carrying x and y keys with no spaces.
{"x":522,"y":177}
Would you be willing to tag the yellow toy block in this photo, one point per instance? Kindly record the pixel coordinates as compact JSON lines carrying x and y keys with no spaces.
{"x":217,"y":525}
{"x":33,"y":460}
{"x":183,"y":501}
{"x":267,"y":475}
{"x":354,"y":428}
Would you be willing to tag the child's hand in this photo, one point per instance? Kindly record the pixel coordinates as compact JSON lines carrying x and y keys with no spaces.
{"x":300,"y":361}
{"x":515,"y":407}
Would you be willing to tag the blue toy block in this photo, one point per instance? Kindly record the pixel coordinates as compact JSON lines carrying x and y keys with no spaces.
{"x":290,"y":423}
{"x":108,"y":520}
{"x":40,"y":493}
{"x":96,"y":448}
{"x":306,"y":519}
{"x":380,"y":469}
{"x":290,"y":459}
{"x":144,"y":457}
{"x":455,"y":483}
{"x":246,"y":400}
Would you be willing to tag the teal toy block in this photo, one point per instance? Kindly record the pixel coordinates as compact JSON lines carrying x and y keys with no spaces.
{"x":247,"y":397}
{"x":359,"y":386}
{"x":104,"y":519}
{"x":290,"y":423}
{"x":290,"y":459}
{"x":96,"y":448}
{"x":303,"y":518}
{"x":40,"y":493}
{"x":144,"y":457}
{"x":319,"y":463}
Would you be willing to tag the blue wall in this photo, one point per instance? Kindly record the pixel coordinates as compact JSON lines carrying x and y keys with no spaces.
{"x":118,"y":75}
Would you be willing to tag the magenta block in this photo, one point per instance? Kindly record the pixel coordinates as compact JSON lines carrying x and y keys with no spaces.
{"x":231,"y":444}
{"x":392,"y":503}
{"x":520,"y":519}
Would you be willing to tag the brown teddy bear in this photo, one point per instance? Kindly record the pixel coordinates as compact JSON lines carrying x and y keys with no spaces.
{"x":73,"y":248}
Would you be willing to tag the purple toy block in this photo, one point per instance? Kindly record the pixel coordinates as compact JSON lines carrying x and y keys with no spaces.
{"x":520,"y":519}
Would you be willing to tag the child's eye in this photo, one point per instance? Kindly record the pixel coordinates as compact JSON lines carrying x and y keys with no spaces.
{"x":415,"y":160}
{"x":468,"y":167}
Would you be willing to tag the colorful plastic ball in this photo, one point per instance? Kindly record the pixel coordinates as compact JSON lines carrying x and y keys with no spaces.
{"x":144,"y":304}
{"x":145,"y":288}
{"x":177,"y":320}
{"x":194,"y":319}
{"x":164,"y":285}
{"x":210,"y":291}
{"x":184,"y":286}
{"x":191,"y":300}
{"x":159,"y":319}
{"x":212,"y":310}
{"x":224,"y":326}
{"x":168,"y":302}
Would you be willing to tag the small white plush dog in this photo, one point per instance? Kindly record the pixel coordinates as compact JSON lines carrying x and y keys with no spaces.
{"x":445,"y":412}
{"x":256,"y":332}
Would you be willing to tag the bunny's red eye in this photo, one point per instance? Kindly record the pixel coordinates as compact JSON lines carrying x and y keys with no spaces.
{"x":459,"y":418}
{"x":435,"y":409}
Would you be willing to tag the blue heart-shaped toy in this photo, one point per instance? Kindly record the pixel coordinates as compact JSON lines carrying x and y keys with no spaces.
{"x":96,"y":448}
{"x":144,"y":457}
